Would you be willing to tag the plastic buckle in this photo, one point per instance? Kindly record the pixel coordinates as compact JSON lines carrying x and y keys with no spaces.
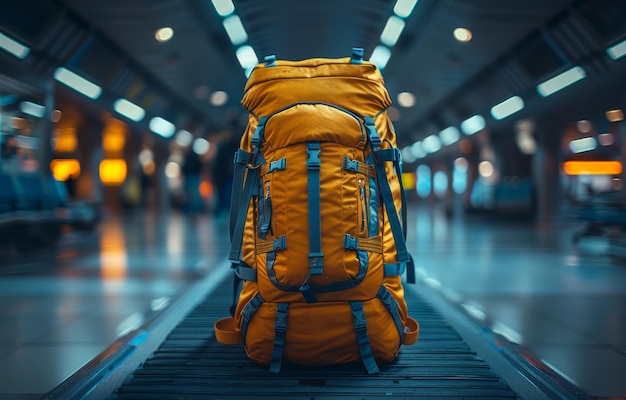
{"x":313,"y":161}
{"x":350,"y":243}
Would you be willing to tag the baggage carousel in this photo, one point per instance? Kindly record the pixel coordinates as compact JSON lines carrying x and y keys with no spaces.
{"x":176,"y":356}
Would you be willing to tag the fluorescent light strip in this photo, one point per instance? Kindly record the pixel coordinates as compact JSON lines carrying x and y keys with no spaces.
{"x":13,"y":47}
{"x":449,"y":135}
{"x":77,"y":82}
{"x":223,"y":7}
{"x":583,"y":144}
{"x":561,"y":81}
{"x":507,"y":107}
{"x":618,"y":51}
{"x":473,"y":124}
{"x":404,"y":8}
{"x":431,"y":144}
{"x":247,"y":57}
{"x":392,"y":31}
{"x":162,"y":127}
{"x":417,"y":150}
{"x":129,"y":110}
{"x":592,"y":167}
{"x":30,"y":108}
{"x":235,"y":30}
{"x":380,"y":56}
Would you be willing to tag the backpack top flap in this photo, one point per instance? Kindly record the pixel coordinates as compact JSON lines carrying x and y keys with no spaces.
{"x":355,"y":87}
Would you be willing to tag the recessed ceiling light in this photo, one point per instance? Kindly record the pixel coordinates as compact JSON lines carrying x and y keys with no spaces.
{"x":462,"y":34}
{"x":164,"y":34}
{"x":406,"y":99}
{"x":219,"y":98}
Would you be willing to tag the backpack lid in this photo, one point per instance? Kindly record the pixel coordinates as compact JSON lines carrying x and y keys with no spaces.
{"x":358,"y":87}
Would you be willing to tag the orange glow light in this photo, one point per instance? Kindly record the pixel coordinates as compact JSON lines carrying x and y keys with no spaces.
{"x":112,"y":172}
{"x":409,"y":179}
{"x":65,"y":140}
{"x":114,"y":138}
{"x":206,"y":189}
{"x":63,"y":169}
{"x":592,"y":167}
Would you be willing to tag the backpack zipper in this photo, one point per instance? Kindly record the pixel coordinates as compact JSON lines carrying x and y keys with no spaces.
{"x":362,"y":203}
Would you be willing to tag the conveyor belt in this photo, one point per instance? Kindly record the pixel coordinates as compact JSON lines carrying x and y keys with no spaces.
{"x":191,"y":364}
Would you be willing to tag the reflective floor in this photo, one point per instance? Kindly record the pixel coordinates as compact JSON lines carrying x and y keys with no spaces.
{"x":61,"y":306}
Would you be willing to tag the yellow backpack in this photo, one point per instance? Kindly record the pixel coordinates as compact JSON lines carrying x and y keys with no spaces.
{"x":316,"y":229}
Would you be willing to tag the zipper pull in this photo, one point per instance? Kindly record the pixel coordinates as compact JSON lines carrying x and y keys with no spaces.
{"x":362,"y":194}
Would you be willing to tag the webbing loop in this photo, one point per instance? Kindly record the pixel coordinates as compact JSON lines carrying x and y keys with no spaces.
{"x":248,"y":311}
{"x":392,"y":306}
{"x":270,"y":60}
{"x":373,"y":244}
{"x":265,"y":246}
{"x":357,"y":55}
{"x":280,"y":333}
{"x":356,"y":166}
{"x":363,"y":341}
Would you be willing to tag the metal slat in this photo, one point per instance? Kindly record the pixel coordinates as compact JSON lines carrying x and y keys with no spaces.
{"x":191,"y":364}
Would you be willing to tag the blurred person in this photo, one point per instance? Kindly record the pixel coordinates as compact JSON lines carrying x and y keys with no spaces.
{"x":192,"y":171}
{"x":223,"y":169}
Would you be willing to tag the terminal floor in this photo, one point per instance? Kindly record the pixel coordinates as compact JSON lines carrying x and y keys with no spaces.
{"x":61,"y":306}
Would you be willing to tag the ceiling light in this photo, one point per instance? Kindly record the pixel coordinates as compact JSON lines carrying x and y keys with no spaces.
{"x":77,"y":83}
{"x":247,"y":57}
{"x":235,"y":30}
{"x":201,"y":146}
{"x":461,"y":164}
{"x":30,"y":108}
{"x":485,"y":169}
{"x":449,"y":135}
{"x":406,"y":99}
{"x":407,"y":156}
{"x":616,"y":115}
{"x":404,"y":8}
{"x":130,"y":110}
{"x":462,"y":34}
{"x":584,"y":126}
{"x":606,"y":139}
{"x":417,"y":150}
{"x":219,"y":98}
{"x":380,"y":56}
{"x":473,"y":124}
{"x":13,"y":47}
{"x":162,"y":127}
{"x":183,"y":138}
{"x":561,"y":81}
{"x":223,"y":7}
{"x":431,"y":144}
{"x":393,"y":30}
{"x":55,"y":115}
{"x":164,"y":34}
{"x":583,"y":144}
{"x":617,"y":51}
{"x":507,"y":107}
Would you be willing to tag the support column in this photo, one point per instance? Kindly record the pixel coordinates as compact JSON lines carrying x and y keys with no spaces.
{"x":546,"y":174}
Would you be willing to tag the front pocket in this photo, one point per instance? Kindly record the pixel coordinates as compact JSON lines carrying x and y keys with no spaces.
{"x":323,"y":333}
